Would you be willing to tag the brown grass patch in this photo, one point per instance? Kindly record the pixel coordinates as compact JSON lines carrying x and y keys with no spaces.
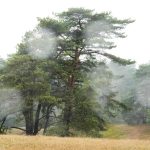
{"x":127,"y":132}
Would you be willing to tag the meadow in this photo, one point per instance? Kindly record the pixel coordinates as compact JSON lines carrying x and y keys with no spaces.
{"x":19,"y":142}
{"x":120,"y":137}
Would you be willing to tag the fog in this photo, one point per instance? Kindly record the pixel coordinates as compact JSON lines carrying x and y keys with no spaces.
{"x":41,"y":43}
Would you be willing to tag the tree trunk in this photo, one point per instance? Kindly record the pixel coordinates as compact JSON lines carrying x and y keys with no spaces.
{"x":28,"y":114}
{"x":70,"y":101}
{"x":68,"y":111}
{"x":47,"y":119}
{"x":1,"y":126}
{"x":37,"y":115}
{"x":67,"y":117}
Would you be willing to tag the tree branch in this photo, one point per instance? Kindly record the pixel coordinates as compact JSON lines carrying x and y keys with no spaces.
{"x":19,"y":128}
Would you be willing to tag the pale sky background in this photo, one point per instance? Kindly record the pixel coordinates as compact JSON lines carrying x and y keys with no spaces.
{"x":19,"y":16}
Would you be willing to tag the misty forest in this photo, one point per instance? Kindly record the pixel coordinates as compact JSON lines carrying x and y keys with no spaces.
{"x":64,"y":80}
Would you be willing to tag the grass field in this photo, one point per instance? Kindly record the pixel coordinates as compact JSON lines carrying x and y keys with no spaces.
{"x":16,"y":142}
{"x":118,"y":137}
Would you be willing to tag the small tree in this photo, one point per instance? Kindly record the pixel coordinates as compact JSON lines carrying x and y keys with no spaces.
{"x":28,"y":76}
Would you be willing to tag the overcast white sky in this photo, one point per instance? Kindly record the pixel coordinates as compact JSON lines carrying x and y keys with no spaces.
{"x":19,"y":16}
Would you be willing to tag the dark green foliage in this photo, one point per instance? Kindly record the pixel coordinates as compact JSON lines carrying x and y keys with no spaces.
{"x":85,"y":117}
{"x":29,"y":77}
{"x":118,"y":59}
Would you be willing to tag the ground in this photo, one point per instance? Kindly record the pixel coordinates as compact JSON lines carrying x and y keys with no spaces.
{"x":17,"y":142}
{"x":118,"y":137}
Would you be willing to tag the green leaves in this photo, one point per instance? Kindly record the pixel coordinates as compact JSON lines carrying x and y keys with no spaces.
{"x":56,"y":26}
{"x":118,"y":59}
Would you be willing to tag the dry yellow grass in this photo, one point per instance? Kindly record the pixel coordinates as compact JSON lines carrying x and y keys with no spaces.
{"x":20,"y":142}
